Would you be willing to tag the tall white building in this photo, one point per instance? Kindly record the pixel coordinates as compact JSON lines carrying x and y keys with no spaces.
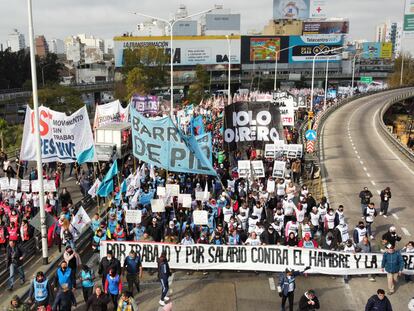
{"x":75,"y":50}
{"x":16,"y":41}
{"x":56,"y":46}
{"x":92,"y":41}
{"x":390,"y":32}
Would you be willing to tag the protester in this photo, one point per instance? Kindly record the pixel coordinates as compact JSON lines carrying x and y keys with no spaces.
{"x":393,"y":264}
{"x":127,"y":302}
{"x":40,"y":293}
{"x":378,"y":302}
{"x":133,"y":269}
{"x":287,"y":287}
{"x":385,"y":201}
{"x":113,"y":286}
{"x":163,"y":274}
{"x":64,"y":300}
{"x":17,"y":305}
{"x":98,"y":301}
{"x":391,"y":237}
{"x":309,"y":301}
{"x":365,"y":196}
{"x":106,"y":264}
{"x":63,"y":277}
{"x":86,"y":277}
{"x":15,"y":256}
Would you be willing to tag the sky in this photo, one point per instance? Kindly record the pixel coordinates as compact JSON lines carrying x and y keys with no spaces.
{"x":108,"y":18}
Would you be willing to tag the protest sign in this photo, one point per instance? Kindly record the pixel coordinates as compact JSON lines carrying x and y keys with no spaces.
{"x":253,"y":258}
{"x":274,"y":150}
{"x":249,"y":124}
{"x":145,"y":104}
{"x":185,"y":200}
{"x":110,"y":113}
{"x":49,"y":185}
{"x":25,"y":185}
{"x":258,"y":169}
{"x":63,"y":138}
{"x":161,"y":191}
{"x":4,"y":183}
{"x":35,"y":185}
{"x":133,"y":216}
{"x":271,"y":186}
{"x":160,"y":143}
{"x":13,"y":184}
{"x":157,"y":205}
{"x":243,"y":168}
{"x":172,"y":189}
{"x":200,"y":218}
{"x":201,"y":196}
{"x":287,"y":112}
{"x":279,"y":169}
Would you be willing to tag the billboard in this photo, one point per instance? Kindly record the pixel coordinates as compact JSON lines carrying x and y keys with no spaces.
{"x":377,"y":50}
{"x":409,"y":18}
{"x":306,"y":47}
{"x":223,"y":22}
{"x":318,"y":9}
{"x":185,"y":28}
{"x":325,"y":27}
{"x":291,"y":9}
{"x":187,"y":50}
{"x":262,"y":49}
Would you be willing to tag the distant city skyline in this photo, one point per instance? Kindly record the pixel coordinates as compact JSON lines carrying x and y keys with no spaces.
{"x":106,"y":19}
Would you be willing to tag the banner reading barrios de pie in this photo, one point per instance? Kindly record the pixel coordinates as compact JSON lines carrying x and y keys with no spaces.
{"x":63,"y":138}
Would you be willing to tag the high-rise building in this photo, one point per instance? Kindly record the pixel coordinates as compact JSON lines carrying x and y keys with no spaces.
{"x":42,"y":48}
{"x":92,"y":41}
{"x":75,"y":50}
{"x":56,"y":46}
{"x":390,"y":32}
{"x":16,"y":41}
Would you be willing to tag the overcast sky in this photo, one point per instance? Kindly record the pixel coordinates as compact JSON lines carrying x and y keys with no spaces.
{"x":107,"y":18}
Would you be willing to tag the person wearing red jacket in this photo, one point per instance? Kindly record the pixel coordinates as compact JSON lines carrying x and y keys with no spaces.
{"x":307,"y":242}
{"x":113,"y":286}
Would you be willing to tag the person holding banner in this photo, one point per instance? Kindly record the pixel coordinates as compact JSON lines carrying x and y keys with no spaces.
{"x":309,"y":301}
{"x":163,"y":274}
{"x":287,"y":286}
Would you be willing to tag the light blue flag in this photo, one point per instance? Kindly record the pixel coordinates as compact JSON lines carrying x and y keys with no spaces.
{"x":159,"y":143}
{"x":197,"y":125}
{"x":87,"y":155}
{"x":145,"y":198}
{"x":112,"y":172}
{"x":107,"y":188}
{"x":123,"y":186}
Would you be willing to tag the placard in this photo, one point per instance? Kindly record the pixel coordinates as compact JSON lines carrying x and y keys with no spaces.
{"x":279,"y":169}
{"x":25,"y":185}
{"x":243,"y":168}
{"x":4,"y":183}
{"x":271,"y":186}
{"x":157,"y":205}
{"x":202,"y":196}
{"x":172,"y":190}
{"x":35,"y":186}
{"x":133,"y":216}
{"x":258,"y":169}
{"x":50,"y":186}
{"x":185,"y":200}
{"x":200,"y":218}
{"x":14,"y":184}
{"x":274,"y":150}
{"x":161,"y":191}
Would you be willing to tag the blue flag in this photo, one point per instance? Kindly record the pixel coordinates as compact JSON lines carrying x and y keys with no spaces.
{"x":87,"y":155}
{"x":197,"y":125}
{"x":112,"y":172}
{"x":107,"y":184}
{"x":145,"y":198}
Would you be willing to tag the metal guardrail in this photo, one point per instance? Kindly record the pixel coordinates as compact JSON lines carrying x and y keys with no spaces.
{"x":390,"y":136}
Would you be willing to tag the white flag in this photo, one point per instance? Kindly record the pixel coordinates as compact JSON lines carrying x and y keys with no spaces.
{"x":81,"y":220}
{"x":94,"y":189}
{"x":206,"y":195}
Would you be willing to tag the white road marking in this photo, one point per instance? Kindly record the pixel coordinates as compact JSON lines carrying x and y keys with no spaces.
{"x":354,"y":148}
{"x":272,"y":284}
{"x":356,"y":152}
{"x":365,"y":169}
{"x":395,"y":216}
{"x":379,"y":192}
{"x":373,"y":183}
{"x":358,"y":157}
{"x":368,"y":174}
{"x":386,"y":145}
{"x":362,"y":162}
{"x":405,"y":231}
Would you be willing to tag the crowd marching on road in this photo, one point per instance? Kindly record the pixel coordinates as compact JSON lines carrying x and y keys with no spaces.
{"x":241,"y":211}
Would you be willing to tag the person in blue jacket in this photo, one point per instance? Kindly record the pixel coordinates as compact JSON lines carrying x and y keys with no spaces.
{"x":287,"y":286}
{"x":63,"y":276}
{"x":163,"y":274}
{"x":40,"y":291}
{"x":393,"y":264}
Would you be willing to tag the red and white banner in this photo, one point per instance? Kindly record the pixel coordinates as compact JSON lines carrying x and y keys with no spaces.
{"x":110,"y":113}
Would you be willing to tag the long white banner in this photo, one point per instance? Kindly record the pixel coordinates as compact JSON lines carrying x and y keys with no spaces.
{"x":63,"y":138}
{"x":253,"y":258}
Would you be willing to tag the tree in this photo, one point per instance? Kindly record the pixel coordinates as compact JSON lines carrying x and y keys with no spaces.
{"x":197,"y":89}
{"x":408,"y":73}
{"x":60,"y":98}
{"x":10,"y":135}
{"x":145,"y":69}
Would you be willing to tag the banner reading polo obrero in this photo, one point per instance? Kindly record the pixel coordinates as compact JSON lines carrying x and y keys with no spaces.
{"x":253,"y":258}
{"x":109,"y":113}
{"x":63,"y":138}
{"x":160,"y":143}
{"x":251,"y":124}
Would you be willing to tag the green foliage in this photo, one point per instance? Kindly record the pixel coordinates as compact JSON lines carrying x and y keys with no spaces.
{"x":197,"y":89}
{"x":60,"y":98}
{"x":15,"y":69}
{"x":408,"y":72}
{"x":145,"y":69}
{"x":10,"y":135}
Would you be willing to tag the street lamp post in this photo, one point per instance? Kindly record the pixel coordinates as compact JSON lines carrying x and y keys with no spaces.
{"x":43,"y":228}
{"x":229,"y":82}
{"x":326,"y":82}
{"x":171,"y":26}
{"x":277,"y":53}
{"x":353,"y":70}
